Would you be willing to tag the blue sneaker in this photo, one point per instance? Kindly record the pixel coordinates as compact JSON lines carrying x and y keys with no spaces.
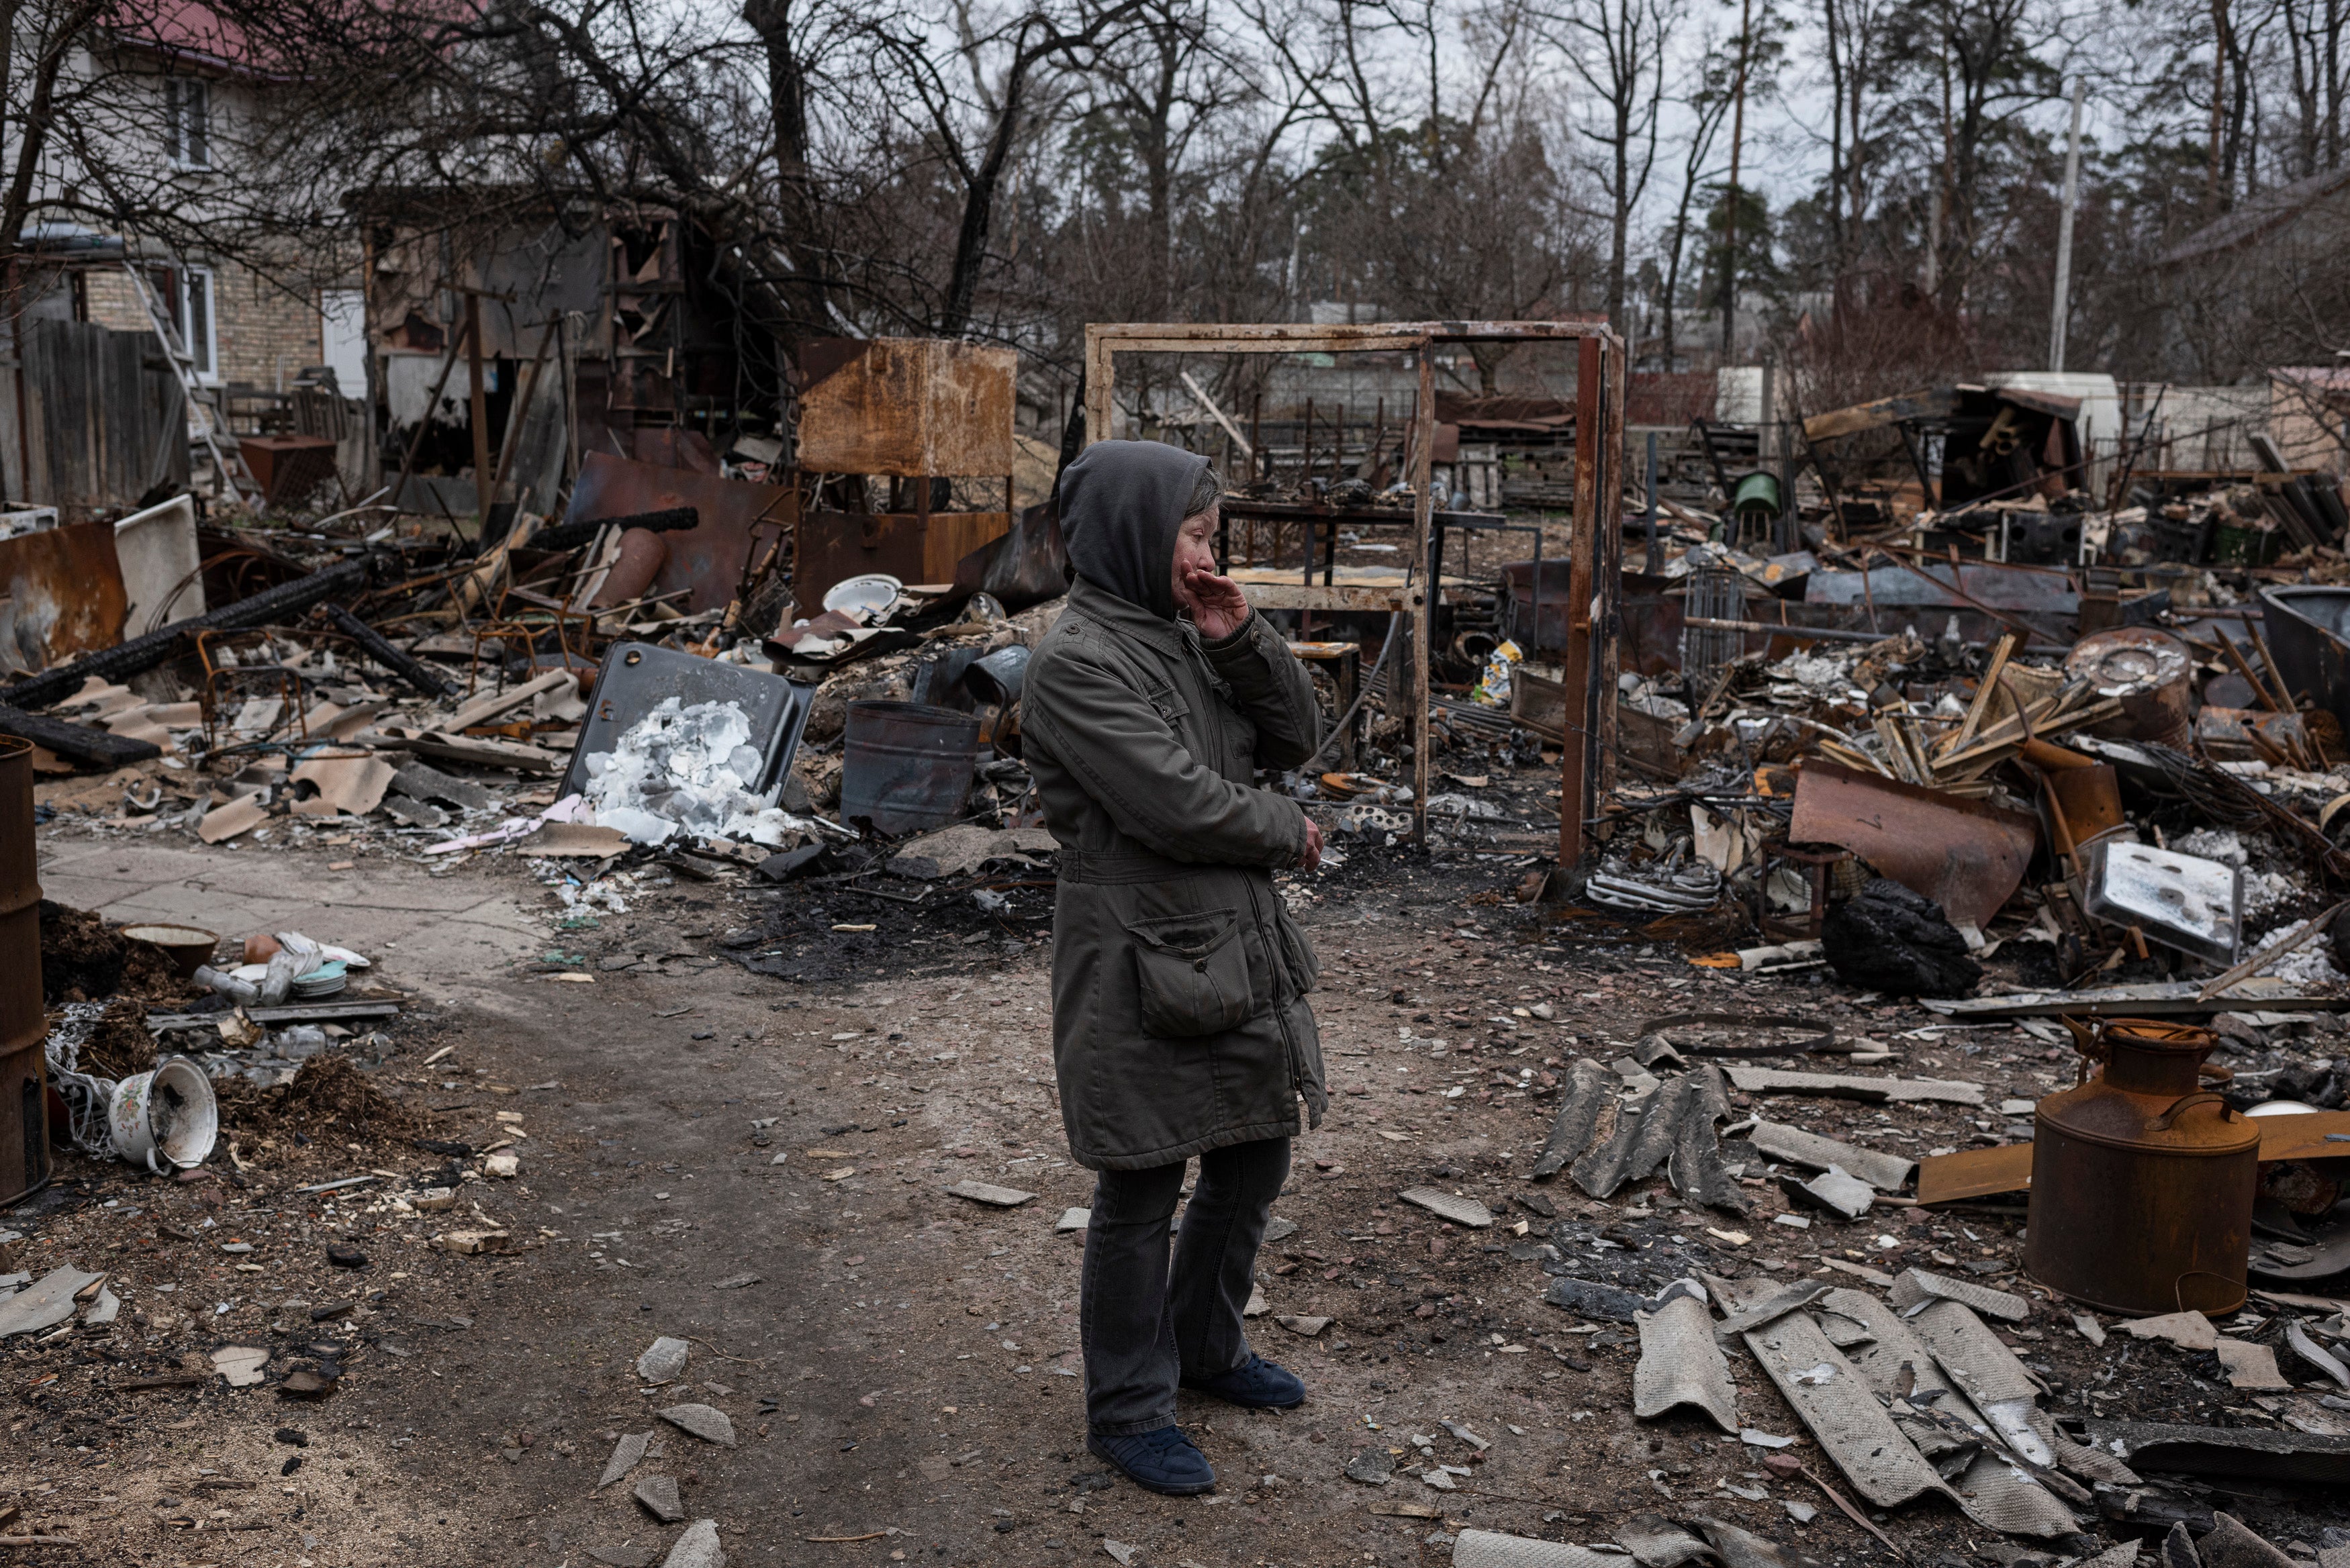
{"x":1161,"y":1461}
{"x":1254,"y":1382}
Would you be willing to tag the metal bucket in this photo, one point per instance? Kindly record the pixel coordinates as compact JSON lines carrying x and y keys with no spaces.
{"x":24,"y":1024}
{"x":998,"y":677}
{"x":906,"y":767}
{"x":169,"y":1112}
{"x":2142,"y":1180}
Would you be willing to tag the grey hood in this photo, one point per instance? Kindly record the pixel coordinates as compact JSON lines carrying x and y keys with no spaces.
{"x":1121,"y":506}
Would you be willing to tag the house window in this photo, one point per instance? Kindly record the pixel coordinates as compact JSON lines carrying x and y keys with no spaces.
{"x":187,"y":120}
{"x":186,"y":293}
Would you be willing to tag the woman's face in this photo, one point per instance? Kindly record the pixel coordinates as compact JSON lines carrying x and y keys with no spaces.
{"x":1195,"y":551}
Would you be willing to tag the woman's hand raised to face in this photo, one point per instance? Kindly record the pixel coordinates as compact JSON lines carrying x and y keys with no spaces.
{"x":1217,"y":606}
{"x":1215,"y":603}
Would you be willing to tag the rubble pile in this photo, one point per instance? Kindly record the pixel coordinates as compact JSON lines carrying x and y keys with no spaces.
{"x":1930,"y":844}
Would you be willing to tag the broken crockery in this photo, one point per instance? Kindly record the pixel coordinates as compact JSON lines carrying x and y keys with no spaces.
{"x":240,"y":1364}
{"x":627,"y":1454}
{"x":658,"y":1494}
{"x":703,"y":1421}
{"x":995,"y":1197}
{"x":1444,"y":1205}
{"x":663,"y":1360}
{"x":165,"y":1119}
{"x":696,"y":1548}
{"x":1833,"y":1191}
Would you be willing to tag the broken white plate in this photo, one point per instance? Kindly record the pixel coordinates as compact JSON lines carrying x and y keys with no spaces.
{"x":240,"y":1364}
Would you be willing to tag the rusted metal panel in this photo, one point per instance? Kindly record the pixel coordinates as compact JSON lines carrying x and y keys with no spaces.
{"x":707,"y":558}
{"x":2308,"y":629}
{"x":2251,"y":734}
{"x":24,"y":1111}
{"x":289,"y":467}
{"x":906,"y":406}
{"x":834,"y":546}
{"x":61,"y":595}
{"x":1965,"y":856}
{"x":2080,"y":796}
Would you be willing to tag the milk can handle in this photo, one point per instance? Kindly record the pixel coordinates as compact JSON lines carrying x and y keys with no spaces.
{"x":2089,"y":1040}
{"x":2163,"y":1122}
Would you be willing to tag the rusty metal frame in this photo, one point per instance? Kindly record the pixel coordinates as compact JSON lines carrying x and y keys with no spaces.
{"x":222,"y":681}
{"x":1595,"y":616}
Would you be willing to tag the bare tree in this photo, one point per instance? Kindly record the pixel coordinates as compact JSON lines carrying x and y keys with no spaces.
{"x":1854,"y":34}
{"x":1617,"y":48}
{"x":1971,"y":70}
{"x":975,"y":130}
{"x":1706,"y":97}
{"x":2319,"y":79}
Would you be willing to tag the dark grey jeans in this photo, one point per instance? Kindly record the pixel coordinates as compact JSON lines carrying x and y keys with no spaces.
{"x":1144,"y":1334}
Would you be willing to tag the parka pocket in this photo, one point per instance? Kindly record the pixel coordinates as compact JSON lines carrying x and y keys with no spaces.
{"x":1192,"y":974}
{"x":1296,"y":952}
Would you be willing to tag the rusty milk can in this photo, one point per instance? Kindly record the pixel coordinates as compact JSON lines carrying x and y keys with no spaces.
{"x":2142,"y":1179}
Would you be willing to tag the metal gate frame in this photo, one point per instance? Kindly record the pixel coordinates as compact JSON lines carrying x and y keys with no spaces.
{"x":1594,"y":583}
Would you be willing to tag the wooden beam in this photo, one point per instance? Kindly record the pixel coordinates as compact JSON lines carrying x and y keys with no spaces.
{"x":79,"y":742}
{"x":1584,"y":554}
{"x":1342,"y":599}
{"x":1298,"y":337}
{"x":1927,"y":404}
{"x":1200,"y":395}
{"x":1609,"y":485}
{"x":485,"y":476}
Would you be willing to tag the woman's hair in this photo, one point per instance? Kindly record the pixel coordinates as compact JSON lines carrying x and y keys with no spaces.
{"x":1206,"y":491}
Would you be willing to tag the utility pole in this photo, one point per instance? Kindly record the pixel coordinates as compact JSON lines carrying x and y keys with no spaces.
{"x":2059,"y":310}
{"x":1730,"y":213}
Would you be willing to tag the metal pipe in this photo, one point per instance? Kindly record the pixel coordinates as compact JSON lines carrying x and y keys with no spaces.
{"x":378,"y":648}
{"x":1655,"y":563}
{"x":2057,"y":310}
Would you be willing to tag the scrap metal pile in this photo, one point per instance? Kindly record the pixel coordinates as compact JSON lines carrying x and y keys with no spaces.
{"x":415,"y":686}
{"x":1935,"y":762}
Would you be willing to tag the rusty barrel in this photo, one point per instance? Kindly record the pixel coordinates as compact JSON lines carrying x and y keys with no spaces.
{"x":2142,"y":1179}
{"x":23,"y":1023}
{"x":906,"y":766}
{"x":2148,"y":670}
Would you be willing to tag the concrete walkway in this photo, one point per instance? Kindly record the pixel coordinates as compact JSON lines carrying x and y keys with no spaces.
{"x":441,"y":934}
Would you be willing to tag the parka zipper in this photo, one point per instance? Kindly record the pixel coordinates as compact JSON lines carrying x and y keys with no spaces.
{"x":1267,"y":937}
{"x":1270,"y":941}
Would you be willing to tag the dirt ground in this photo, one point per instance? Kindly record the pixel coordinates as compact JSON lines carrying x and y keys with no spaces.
{"x":755,"y":1164}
